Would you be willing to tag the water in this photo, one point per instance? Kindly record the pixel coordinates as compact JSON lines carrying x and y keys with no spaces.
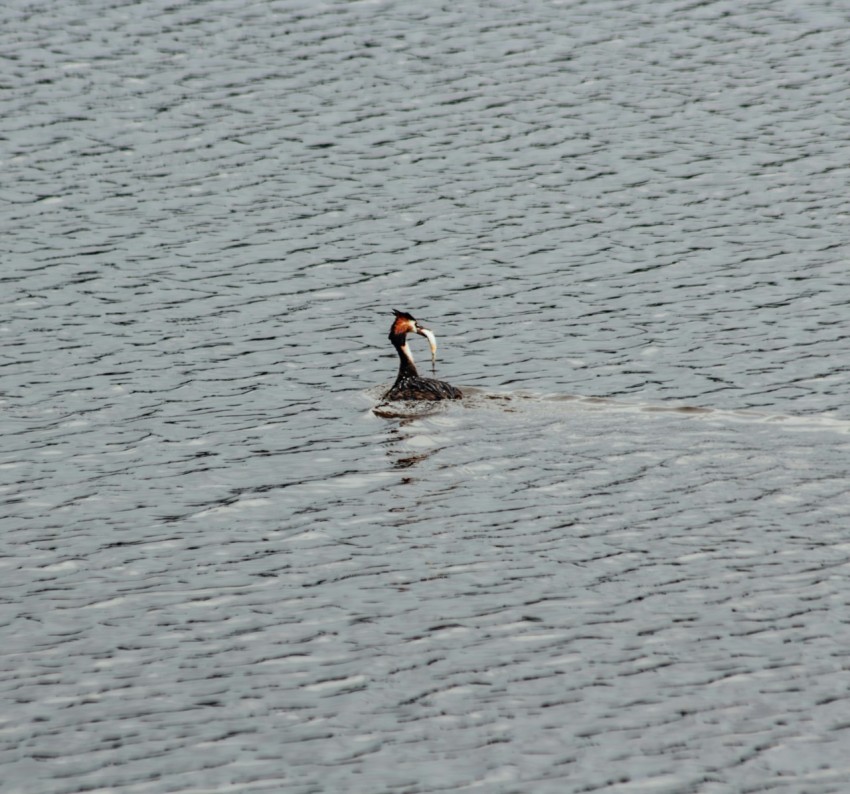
{"x":619,"y":563}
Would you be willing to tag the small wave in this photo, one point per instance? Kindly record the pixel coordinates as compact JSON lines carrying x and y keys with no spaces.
{"x":478,"y":398}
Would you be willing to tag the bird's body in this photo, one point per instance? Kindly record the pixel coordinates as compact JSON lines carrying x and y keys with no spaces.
{"x":408,"y":384}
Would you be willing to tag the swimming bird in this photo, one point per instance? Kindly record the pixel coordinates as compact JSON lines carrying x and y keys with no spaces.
{"x":408,"y":385}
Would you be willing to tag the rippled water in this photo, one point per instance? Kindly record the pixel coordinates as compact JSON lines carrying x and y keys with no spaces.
{"x":620,"y":563}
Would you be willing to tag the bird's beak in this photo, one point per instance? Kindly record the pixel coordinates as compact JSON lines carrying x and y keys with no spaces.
{"x":432,"y":340}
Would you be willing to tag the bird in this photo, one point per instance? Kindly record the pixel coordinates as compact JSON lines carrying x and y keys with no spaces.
{"x":409,"y":385}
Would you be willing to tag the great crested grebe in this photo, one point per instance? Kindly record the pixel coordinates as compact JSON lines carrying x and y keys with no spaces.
{"x":408,"y":385}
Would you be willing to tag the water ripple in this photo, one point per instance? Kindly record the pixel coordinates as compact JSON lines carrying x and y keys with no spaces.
{"x":615,"y":564}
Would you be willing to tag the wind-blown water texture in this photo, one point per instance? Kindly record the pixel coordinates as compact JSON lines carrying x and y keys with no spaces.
{"x":619,"y":563}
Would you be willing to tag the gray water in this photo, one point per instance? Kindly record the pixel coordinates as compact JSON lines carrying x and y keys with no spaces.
{"x":620,"y":564}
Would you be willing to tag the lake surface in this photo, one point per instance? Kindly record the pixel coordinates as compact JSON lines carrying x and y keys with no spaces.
{"x":619,"y":564}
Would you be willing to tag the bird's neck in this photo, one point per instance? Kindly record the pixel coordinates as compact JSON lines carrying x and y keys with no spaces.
{"x":406,"y":368}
